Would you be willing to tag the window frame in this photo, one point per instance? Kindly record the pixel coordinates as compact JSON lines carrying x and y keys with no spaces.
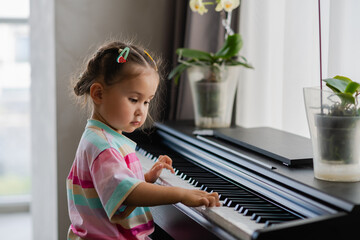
{"x":15,"y":203}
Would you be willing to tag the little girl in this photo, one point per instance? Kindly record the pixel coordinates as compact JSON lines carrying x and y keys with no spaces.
{"x":108,"y":195}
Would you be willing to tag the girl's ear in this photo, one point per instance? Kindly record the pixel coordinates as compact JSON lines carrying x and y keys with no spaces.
{"x":96,"y":92}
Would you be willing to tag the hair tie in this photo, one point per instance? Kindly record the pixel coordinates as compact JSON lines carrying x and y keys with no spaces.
{"x":120,"y":58}
{"x":156,"y":69}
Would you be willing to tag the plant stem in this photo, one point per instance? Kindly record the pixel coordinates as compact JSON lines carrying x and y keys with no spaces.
{"x":226,"y":23}
{"x":321,"y":98}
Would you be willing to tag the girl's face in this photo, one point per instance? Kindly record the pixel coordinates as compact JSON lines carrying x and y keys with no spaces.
{"x":124,"y":105}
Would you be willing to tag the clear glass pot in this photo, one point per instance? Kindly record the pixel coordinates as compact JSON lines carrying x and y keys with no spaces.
{"x":213,"y":93}
{"x":335,"y":139}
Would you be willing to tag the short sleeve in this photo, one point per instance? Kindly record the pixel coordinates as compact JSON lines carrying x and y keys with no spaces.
{"x":112,"y":179}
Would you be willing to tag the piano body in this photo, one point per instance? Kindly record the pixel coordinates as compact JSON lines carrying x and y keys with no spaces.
{"x":262,"y":198}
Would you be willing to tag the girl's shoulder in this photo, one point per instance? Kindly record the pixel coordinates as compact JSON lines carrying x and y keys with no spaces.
{"x":96,"y":139}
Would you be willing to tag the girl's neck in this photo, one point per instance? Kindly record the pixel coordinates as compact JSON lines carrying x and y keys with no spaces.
{"x":97,"y":116}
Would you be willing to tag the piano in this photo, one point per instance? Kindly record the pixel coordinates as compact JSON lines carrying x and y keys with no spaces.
{"x":262,"y":197}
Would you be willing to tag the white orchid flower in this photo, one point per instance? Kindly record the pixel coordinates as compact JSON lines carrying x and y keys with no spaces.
{"x":227,"y":5}
{"x":198,"y":6}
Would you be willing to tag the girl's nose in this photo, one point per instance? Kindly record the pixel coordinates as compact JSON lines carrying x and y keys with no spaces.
{"x":140,"y":110}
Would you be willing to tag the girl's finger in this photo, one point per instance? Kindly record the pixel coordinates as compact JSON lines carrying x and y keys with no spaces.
{"x":215,"y":194}
{"x":166,"y":159}
{"x":167,"y":166}
{"x":204,"y":201}
{"x":212,"y":201}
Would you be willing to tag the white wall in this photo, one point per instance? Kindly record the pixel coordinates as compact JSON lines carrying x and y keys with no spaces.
{"x":62,"y":33}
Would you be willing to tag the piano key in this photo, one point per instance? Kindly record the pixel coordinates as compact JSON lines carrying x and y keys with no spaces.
{"x":263,"y":219}
{"x":272,"y":222}
{"x":243,"y":200}
{"x":243,"y":207}
{"x":215,"y":185}
{"x":254,"y":216}
{"x":192,"y":170}
{"x":197,"y":173}
{"x":231,"y":203}
{"x":236,"y":194}
{"x":251,"y":211}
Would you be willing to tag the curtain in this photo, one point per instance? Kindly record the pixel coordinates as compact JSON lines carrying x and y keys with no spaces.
{"x":281,"y":41}
{"x":179,"y":13}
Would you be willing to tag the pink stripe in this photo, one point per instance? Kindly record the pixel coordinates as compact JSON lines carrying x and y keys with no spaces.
{"x":70,"y":174}
{"x":146,"y":228}
{"x":86,"y":235}
{"x":74,"y":230}
{"x":131,"y":157}
{"x":82,"y":183}
{"x":108,"y":156}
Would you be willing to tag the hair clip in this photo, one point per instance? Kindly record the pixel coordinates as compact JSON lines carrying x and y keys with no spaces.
{"x":156,"y":69}
{"x":120,"y":58}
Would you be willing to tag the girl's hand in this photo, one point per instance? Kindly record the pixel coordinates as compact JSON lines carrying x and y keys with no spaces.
{"x":163,"y":162}
{"x":196,"y":198}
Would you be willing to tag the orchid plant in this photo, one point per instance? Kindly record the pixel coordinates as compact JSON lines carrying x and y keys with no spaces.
{"x":348,"y":92}
{"x":227,"y":55}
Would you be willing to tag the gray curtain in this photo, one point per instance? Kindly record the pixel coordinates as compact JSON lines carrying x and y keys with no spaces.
{"x":203,"y":32}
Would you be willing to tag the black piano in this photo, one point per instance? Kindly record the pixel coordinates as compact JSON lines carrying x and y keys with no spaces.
{"x":265,"y":195}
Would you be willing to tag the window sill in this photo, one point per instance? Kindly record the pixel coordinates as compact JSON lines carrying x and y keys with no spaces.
{"x":17,"y":203}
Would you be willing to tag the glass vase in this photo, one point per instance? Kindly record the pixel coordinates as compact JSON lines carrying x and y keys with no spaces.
{"x":335,"y":138}
{"x":213,"y":92}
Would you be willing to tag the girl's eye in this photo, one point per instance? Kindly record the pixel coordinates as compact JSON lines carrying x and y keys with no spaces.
{"x":147,"y":102}
{"x":133,"y":100}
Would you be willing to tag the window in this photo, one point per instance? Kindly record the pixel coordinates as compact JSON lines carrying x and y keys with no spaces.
{"x":14,"y":99}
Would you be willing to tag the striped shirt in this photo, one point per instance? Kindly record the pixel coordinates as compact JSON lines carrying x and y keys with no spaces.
{"x":104,"y":173}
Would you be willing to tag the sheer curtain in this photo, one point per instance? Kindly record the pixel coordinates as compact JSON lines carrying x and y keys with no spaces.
{"x":281,"y":41}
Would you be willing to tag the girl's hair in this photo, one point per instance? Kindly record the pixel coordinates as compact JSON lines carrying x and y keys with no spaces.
{"x":103,"y":66}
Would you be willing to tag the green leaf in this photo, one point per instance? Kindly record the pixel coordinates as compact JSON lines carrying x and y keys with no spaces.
{"x":234,"y":63}
{"x":337,"y":84}
{"x":196,"y":54}
{"x":352,"y":87}
{"x":346,"y":79}
{"x":346,"y":98}
{"x":231,"y":47}
{"x":176,"y":72}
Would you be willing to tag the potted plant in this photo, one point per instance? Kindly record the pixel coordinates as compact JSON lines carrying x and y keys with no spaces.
{"x":213,"y":76}
{"x":334,"y":121}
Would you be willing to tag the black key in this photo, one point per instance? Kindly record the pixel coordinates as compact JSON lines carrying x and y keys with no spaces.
{"x":251,"y":211}
{"x":231,"y":202}
{"x":233,"y":192}
{"x":241,"y":207}
{"x":263,"y":219}
{"x":252,"y":199}
{"x":272,"y":222}
{"x":254,"y":216}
